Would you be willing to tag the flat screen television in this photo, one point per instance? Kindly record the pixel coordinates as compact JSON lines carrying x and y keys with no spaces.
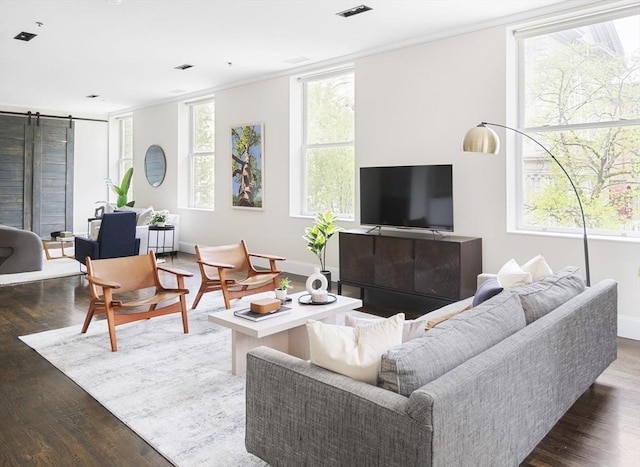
{"x":416,"y":196}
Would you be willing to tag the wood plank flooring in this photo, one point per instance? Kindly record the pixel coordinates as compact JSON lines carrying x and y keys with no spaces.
{"x":47,"y":420}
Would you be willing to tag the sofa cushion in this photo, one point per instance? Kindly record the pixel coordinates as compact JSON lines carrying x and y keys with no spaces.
{"x":541,"y":297}
{"x":433,"y":322}
{"x":411,"y":365}
{"x":487,"y":289}
{"x":354,"y":352}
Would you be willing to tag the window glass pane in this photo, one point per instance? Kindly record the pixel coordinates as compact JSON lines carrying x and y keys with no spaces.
{"x":330,"y":109}
{"x":586,"y":74}
{"x":203,"y":181}
{"x":604,"y":164}
{"x":203,"y":132}
{"x":330,"y":180}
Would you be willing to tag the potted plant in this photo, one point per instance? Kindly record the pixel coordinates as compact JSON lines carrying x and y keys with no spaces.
{"x":159,"y":218}
{"x":283,"y":287}
{"x":318,"y":236}
{"x":123,"y":190}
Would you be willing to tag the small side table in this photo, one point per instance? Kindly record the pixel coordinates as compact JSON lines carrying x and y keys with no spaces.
{"x":62,"y":242}
{"x":161,"y":246}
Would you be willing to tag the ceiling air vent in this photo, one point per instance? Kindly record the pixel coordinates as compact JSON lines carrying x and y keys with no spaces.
{"x":25,"y":36}
{"x":354,"y":11}
{"x":183,"y":67}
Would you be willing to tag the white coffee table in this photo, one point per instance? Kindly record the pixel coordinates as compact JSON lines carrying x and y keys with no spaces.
{"x":286,"y":332}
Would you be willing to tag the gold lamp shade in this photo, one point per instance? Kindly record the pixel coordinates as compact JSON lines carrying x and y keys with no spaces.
{"x":481,"y":139}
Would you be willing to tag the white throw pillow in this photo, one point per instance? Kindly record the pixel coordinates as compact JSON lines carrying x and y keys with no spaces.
{"x":538,"y":268}
{"x":354,"y":352}
{"x":511,"y":275}
{"x":410,"y":330}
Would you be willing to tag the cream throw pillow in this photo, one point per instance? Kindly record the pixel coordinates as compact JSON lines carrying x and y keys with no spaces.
{"x":353,"y":352}
{"x":511,"y":275}
{"x":538,"y":268}
{"x":410,"y":329}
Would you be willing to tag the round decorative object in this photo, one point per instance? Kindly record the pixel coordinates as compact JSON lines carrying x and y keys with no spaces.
{"x":155,"y":165}
{"x":306,"y":299}
{"x":318,"y":295}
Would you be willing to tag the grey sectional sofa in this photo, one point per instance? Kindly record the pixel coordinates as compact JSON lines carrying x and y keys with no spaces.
{"x":20,"y":251}
{"x":517,"y":363}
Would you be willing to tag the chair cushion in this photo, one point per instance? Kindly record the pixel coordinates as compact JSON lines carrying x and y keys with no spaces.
{"x":415,"y":363}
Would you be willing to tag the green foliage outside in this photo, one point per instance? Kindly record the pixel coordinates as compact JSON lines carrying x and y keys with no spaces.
{"x":330,"y":158}
{"x":581,"y":83}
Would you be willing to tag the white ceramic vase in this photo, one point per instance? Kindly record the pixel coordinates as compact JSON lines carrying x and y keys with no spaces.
{"x":318,"y":295}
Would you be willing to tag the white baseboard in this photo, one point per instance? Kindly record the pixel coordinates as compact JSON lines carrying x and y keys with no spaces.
{"x":629,"y":327}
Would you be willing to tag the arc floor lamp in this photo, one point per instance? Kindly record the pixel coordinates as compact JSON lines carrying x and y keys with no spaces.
{"x":485,"y":140}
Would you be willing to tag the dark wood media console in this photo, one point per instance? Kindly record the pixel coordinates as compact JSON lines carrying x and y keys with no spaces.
{"x":418,"y":264}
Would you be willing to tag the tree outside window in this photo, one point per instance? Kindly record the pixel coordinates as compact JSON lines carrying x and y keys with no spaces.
{"x":202,"y":154}
{"x":125,"y":150}
{"x":328,"y":144}
{"x":581,"y":89}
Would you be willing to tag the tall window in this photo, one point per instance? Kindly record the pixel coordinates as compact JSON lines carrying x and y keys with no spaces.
{"x":580,"y":97}
{"x":328,"y":156}
{"x":125,"y":149}
{"x":201,"y":154}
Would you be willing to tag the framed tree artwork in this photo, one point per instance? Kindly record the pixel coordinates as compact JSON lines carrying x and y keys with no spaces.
{"x":247,"y":162}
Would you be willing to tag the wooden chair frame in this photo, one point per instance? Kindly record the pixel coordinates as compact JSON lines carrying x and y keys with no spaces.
{"x":218,"y":262}
{"x":109,"y":279}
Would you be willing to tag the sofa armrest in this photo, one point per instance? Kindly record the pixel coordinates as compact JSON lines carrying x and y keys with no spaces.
{"x":301,"y":414}
{"x":483,"y":277}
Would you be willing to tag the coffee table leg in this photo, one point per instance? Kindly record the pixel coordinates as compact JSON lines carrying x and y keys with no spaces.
{"x":241,"y":344}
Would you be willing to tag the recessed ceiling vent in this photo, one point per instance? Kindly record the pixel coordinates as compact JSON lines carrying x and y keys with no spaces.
{"x":354,"y":11}
{"x":183,"y":67}
{"x":25,"y":36}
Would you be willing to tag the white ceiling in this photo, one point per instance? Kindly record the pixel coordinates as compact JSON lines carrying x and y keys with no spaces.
{"x":125,"y":51}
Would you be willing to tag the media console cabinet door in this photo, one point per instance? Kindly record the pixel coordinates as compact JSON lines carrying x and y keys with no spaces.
{"x":394,"y":263}
{"x":356,"y":257}
{"x":437,"y":269}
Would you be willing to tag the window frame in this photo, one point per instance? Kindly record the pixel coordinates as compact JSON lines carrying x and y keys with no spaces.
{"x":304,"y":81}
{"x":124,"y":162}
{"x":193,"y":154}
{"x":519,"y":142}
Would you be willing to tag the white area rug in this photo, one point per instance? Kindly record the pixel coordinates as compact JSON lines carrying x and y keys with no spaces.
{"x":62,"y":267}
{"x":175,"y":390}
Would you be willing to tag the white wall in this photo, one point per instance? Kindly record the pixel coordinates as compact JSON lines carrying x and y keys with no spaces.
{"x":90,"y":171}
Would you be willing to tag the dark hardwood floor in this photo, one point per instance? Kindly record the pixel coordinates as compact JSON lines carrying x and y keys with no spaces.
{"x":46,"y":419}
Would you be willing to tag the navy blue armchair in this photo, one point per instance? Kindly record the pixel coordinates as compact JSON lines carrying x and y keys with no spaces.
{"x":116,"y":238}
